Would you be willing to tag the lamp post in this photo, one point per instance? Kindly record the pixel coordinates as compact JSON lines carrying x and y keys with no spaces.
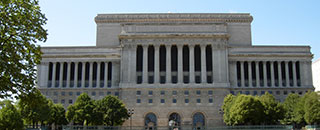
{"x":130,"y":112}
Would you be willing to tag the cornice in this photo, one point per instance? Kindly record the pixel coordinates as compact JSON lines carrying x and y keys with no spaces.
{"x":174,"y":17}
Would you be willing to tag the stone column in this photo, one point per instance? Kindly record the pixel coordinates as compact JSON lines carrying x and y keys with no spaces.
{"x":83,"y":76}
{"x":287,"y":73}
{"x":105,"y":74}
{"x":272,"y":73}
{"x":68,"y":74}
{"x":180,"y":57}
{"x":242,"y":73}
{"x":279,"y":73}
{"x":249,"y":73}
{"x":265,"y":83}
{"x":233,"y":73}
{"x":203,"y":64}
{"x":168,"y":64}
{"x":90,"y":74}
{"x":54,"y":67}
{"x":75,"y":84}
{"x":213,"y":48}
{"x":294,"y":73}
{"x":145,"y":64}
{"x":257,"y":74}
{"x":61,"y":75}
{"x":156,"y":64}
{"x":191,"y":61}
{"x":134,"y":64}
{"x":98,"y":74}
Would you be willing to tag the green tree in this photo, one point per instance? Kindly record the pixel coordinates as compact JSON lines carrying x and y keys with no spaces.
{"x":82,"y":110}
{"x":10,"y":117}
{"x":227,"y":103}
{"x":34,"y":108}
{"x":273,"y":110}
{"x":246,"y":110}
{"x":312,"y":108}
{"x":20,"y":28}
{"x":57,"y":114}
{"x":289,"y":105}
{"x":113,"y":110}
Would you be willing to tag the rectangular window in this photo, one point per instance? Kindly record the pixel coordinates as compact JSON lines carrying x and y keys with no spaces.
{"x":101,"y":93}
{"x":162,"y":92}
{"x":232,"y":92}
{"x":162,"y":101}
{"x":262,"y":92}
{"x":70,"y":101}
{"x":55,"y":93}
{"x":186,"y":100}
{"x":116,"y":93}
{"x":150,"y":101}
{"x":70,"y":93}
{"x":108,"y":93}
{"x":174,"y":100}
{"x":270,"y":92}
{"x":138,"y":100}
{"x":278,"y":92}
{"x":210,"y":100}
{"x":78,"y":93}
{"x":150,"y":93}
{"x":138,"y":93}
{"x":198,"y":100}
{"x":247,"y":92}
{"x":93,"y":93}
{"x":55,"y":101}
{"x":285,"y":92}
{"x":186,"y":93}
{"x":174,"y":92}
{"x":255,"y":93}
{"x":198,"y":92}
{"x":62,"y":101}
{"x":210,"y":92}
{"x":63,"y":93}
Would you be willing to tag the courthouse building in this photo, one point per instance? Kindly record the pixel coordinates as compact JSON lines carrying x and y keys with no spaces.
{"x":174,"y":69}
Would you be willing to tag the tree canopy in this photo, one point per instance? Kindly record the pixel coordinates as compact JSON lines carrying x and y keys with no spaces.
{"x":20,"y":28}
{"x":82,"y":110}
{"x":10,"y":117}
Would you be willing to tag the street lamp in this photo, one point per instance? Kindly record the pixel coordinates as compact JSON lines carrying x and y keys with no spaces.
{"x":130,"y":112}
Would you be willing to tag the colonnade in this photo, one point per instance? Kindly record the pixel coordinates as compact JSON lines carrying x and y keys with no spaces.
{"x":267,"y":74}
{"x":177,"y":63}
{"x":81,"y":74}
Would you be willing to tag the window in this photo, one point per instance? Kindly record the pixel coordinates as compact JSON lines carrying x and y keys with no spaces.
{"x":285,"y":92}
{"x":247,"y":92}
{"x":270,"y":92}
{"x":198,"y":92}
{"x":300,"y":92}
{"x":293,"y":92}
{"x":232,"y":92}
{"x":62,"y":101}
{"x":138,"y":100}
{"x":162,"y":93}
{"x":93,"y":93}
{"x":108,"y":93}
{"x":255,"y":93}
{"x":55,"y":101}
{"x":162,"y":101}
{"x":210,"y":100}
{"x":174,"y":100}
{"x":262,"y":92}
{"x":278,"y":92}
{"x":100,"y":93}
{"x":70,"y":101}
{"x":198,"y":100}
{"x":150,"y":101}
{"x":174,"y":93}
{"x":116,"y":93}
{"x":55,"y":93}
{"x":186,"y":93}
{"x":138,"y":93}
{"x":210,"y":92}
{"x":186,"y":100}
{"x":63,"y":93}
{"x":70,"y":93}
{"x":78,"y":93}
{"x":150,"y":93}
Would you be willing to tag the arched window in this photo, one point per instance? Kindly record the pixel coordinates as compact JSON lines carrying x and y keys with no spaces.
{"x":150,"y":121}
{"x":174,"y":120}
{"x":198,"y":120}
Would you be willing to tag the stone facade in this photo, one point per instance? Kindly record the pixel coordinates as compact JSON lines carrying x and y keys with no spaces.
{"x":175,"y":67}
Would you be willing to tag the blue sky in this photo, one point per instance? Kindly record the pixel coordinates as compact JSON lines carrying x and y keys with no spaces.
{"x":276,"y":22}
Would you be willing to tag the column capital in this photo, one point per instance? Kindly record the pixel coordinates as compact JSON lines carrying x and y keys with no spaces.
{"x":168,"y":46}
{"x":203,"y":45}
{"x":191,"y":45}
{"x":156,"y":45}
{"x":179,"y":45}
